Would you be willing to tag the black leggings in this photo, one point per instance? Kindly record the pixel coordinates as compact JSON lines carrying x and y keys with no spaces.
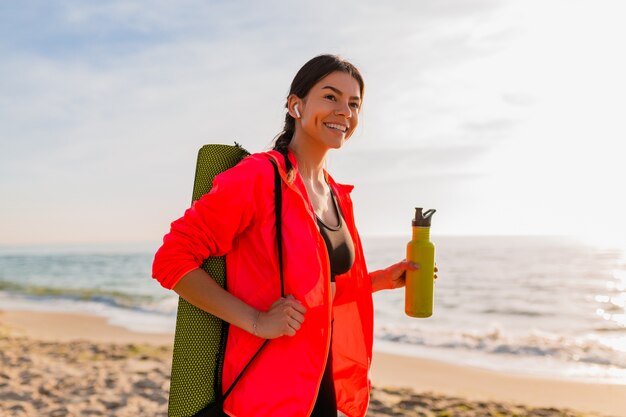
{"x":326,"y":403}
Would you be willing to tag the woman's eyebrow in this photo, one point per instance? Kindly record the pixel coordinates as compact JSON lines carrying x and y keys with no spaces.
{"x":336,"y":90}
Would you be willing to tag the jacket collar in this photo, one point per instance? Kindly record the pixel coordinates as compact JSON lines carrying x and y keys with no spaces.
{"x":282,"y":169}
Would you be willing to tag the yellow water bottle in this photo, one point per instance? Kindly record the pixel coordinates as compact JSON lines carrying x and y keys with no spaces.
{"x":419,"y":283}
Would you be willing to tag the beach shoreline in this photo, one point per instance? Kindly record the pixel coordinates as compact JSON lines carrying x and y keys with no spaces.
{"x":402,"y":384}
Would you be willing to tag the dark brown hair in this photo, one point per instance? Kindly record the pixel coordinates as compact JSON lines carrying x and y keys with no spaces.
{"x":310,"y":73}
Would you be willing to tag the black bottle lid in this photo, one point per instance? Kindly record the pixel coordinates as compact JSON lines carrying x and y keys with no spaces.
{"x":422,"y":220}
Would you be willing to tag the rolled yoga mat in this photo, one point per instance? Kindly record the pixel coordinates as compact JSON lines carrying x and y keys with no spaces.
{"x":200,"y":337}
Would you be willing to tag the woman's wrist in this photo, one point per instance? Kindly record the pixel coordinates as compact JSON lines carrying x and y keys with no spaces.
{"x":377,"y":278}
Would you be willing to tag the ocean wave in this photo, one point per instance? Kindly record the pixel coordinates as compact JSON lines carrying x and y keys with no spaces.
{"x":616,"y":329}
{"x":111,"y":298}
{"x":513,"y":312}
{"x":496,"y":342}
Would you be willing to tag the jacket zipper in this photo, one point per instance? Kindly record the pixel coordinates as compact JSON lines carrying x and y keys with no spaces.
{"x":320,"y":242}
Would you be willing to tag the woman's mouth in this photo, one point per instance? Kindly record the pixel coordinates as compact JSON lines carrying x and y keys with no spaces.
{"x":338,"y":127}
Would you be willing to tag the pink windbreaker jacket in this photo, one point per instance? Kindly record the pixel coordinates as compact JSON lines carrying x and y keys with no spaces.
{"x":237,"y":219}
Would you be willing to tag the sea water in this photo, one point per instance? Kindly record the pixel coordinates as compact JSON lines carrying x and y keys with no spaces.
{"x":545,"y":306}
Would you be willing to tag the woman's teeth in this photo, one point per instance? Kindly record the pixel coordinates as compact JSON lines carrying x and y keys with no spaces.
{"x":337,"y":127}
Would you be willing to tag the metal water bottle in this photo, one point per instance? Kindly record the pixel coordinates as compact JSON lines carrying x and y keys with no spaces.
{"x":419,"y":283}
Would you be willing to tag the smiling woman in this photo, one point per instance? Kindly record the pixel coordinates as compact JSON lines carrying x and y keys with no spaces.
{"x":318,"y":359}
{"x":329,"y":114}
{"x":325,"y":97}
{"x":327,"y":108}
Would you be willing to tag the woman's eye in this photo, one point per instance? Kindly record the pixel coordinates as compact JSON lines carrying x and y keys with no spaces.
{"x":355,"y":105}
{"x":330,"y":97}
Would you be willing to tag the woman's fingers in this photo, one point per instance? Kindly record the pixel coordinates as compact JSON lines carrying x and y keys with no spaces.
{"x":296,"y":316}
{"x":285,"y":317}
{"x":404,"y":265}
{"x":289,"y":331}
{"x":294,"y":324}
{"x":295,"y":304}
{"x":289,"y":312}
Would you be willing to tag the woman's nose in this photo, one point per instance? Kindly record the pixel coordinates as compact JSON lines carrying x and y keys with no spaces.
{"x":343,"y":109}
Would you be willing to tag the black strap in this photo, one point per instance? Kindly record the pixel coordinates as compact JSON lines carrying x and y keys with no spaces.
{"x":211,"y":409}
{"x":278,"y":204}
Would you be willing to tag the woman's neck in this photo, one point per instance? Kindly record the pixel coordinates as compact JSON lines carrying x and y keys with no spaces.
{"x":310,"y":159}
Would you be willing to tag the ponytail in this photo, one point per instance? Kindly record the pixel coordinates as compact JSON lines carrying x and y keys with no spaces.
{"x":282,"y":144}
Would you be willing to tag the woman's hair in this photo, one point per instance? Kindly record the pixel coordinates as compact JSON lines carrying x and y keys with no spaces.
{"x":310,"y":73}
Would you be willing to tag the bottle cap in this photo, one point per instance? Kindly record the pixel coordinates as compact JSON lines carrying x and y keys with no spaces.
{"x":422,"y":220}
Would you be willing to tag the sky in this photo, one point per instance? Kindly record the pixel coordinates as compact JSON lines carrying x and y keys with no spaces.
{"x":505,"y":116}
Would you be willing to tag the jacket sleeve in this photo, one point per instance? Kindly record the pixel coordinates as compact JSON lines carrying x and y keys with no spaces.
{"x":208,"y":228}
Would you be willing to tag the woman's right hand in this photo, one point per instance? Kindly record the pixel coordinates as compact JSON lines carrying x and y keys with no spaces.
{"x":284,"y":318}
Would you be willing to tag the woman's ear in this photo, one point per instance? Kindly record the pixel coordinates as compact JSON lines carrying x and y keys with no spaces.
{"x":294,"y":106}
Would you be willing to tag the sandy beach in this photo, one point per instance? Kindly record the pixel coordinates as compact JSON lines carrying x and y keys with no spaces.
{"x":57,"y":364}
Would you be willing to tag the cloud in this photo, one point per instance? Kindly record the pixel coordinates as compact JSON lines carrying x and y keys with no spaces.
{"x":495,"y":126}
{"x":205,"y":64}
{"x":518,"y":99}
{"x":106,"y":103}
{"x":386,"y":165}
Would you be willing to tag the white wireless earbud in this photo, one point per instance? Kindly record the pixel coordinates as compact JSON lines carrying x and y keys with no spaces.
{"x":295,"y":108}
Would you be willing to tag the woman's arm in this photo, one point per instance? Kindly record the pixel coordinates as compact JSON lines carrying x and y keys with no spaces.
{"x":208,"y":228}
{"x":393,"y":276}
{"x":284,"y":317}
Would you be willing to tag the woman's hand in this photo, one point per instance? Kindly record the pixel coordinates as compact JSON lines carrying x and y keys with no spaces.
{"x":284,"y":318}
{"x":394,"y":276}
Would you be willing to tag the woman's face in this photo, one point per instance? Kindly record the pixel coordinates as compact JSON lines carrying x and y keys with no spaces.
{"x":330,"y":111}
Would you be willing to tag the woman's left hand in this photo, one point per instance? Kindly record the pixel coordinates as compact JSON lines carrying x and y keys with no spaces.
{"x":394,"y":276}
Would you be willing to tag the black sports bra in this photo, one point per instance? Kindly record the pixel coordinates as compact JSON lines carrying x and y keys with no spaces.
{"x":338,"y":242}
